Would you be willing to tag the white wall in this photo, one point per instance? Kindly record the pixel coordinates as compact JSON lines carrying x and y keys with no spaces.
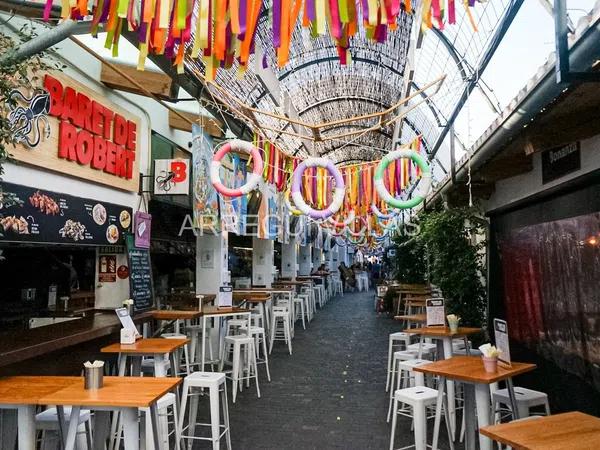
{"x":111,"y":295}
{"x":262,"y":261}
{"x":522,"y":186}
{"x":209,"y":279}
{"x":288,"y":259}
{"x":304,"y":260}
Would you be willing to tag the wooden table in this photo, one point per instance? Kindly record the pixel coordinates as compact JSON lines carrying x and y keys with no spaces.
{"x":444,"y":337}
{"x":568,"y":431}
{"x":118,"y":394}
{"x":417,"y":318}
{"x":469,"y":371}
{"x":127,"y":394}
{"x":157,"y":348}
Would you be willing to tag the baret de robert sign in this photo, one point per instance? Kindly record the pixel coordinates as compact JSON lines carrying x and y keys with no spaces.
{"x":66,"y":127}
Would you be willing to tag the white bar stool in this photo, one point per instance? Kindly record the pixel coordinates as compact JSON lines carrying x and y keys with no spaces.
{"x":398,"y":339}
{"x":215,"y":383}
{"x":280,"y":327}
{"x":241,"y":366}
{"x":299,"y":303}
{"x":526,"y":399}
{"x":418,"y":398}
{"x":47,"y":421}
{"x":260,"y":340}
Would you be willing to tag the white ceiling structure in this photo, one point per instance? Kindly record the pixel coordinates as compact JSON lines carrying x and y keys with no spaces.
{"x":315,"y":88}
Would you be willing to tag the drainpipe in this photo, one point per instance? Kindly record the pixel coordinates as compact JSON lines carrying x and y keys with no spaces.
{"x":42,"y":42}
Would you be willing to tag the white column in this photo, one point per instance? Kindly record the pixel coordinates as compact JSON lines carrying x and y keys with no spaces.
{"x":212,"y":256}
{"x":317,"y":257}
{"x":305,"y":261}
{"x":262,"y":261}
{"x":288,"y":259}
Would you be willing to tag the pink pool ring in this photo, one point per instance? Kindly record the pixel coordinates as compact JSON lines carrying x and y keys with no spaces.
{"x":344,"y":223}
{"x":338,"y":192}
{"x":365,"y":227}
{"x":253,"y":179}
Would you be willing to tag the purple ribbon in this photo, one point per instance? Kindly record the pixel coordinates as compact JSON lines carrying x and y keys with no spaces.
{"x":276,"y":23}
{"x":310,"y":10}
{"x":242,"y":14}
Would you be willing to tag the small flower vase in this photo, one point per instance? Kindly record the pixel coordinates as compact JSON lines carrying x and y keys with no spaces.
{"x":490,"y":365}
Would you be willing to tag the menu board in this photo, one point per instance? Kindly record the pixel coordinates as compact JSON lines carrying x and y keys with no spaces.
{"x":34,"y":215}
{"x":436,"y":312}
{"x":140,"y":275}
{"x":502,"y":341}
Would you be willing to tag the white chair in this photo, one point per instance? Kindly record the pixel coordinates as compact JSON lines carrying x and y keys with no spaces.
{"x":397,"y":357}
{"x":426,"y":349}
{"x":418,"y":398}
{"x":260,"y":341}
{"x":186,"y":353}
{"x":47,"y":423}
{"x":398,"y":339}
{"x":244,"y":367}
{"x":280,"y":327}
{"x":215,"y":383}
{"x":163,"y":404}
{"x":299,"y":311}
{"x":526,"y":399}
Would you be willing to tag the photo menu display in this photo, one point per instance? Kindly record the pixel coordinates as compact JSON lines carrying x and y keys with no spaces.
{"x":35,"y":215}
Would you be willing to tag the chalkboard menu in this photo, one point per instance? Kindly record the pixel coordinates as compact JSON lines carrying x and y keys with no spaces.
{"x":34,"y":215}
{"x":140,"y":275}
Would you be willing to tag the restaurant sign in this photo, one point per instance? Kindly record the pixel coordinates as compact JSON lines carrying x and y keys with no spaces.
{"x":560,"y":161}
{"x":28,"y":214}
{"x":66,"y":127}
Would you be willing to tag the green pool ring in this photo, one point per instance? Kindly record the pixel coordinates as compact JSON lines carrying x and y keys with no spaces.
{"x":422,"y":188}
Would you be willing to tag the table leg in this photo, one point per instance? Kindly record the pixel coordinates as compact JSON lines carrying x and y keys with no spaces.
{"x":136,"y":366}
{"x":156,"y":431}
{"x":203,"y":357}
{"x":62,"y":425}
{"x":26,"y":428}
{"x":447,"y":347}
{"x":8,"y":428}
{"x":159,"y":365}
{"x":71,"y":438}
{"x":101,"y":425}
{"x":122,"y":364}
{"x":482,"y":398}
{"x":513,"y":400}
{"x":438,"y":412}
{"x":470,"y":418}
{"x":131,"y":428}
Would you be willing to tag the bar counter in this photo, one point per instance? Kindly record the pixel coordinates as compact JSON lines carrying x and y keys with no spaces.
{"x":18,"y":346}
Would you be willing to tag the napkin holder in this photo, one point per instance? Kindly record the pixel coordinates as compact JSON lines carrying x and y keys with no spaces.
{"x":93,"y":377}
{"x":127,"y":336}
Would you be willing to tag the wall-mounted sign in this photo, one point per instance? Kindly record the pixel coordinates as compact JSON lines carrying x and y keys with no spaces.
{"x":68,"y":128}
{"x":171,"y":176}
{"x":558,"y":162}
{"x":141,"y":227}
{"x":107,"y":268}
{"x":141,"y":288}
{"x":35,"y":215}
{"x":123,"y":272}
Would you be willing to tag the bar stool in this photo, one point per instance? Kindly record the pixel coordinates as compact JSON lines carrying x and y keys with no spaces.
{"x":47,"y":421}
{"x":195,"y":334}
{"x":317,"y":295}
{"x":398,"y":356}
{"x":418,"y":398}
{"x":163,"y":404}
{"x":395,"y":340}
{"x":215,"y":383}
{"x":306,"y":290}
{"x":280,"y":327}
{"x":299,"y":303}
{"x":526,"y":399}
{"x":241,"y":366}
{"x":408,"y":377}
{"x":260,"y":340}
{"x":186,"y":353}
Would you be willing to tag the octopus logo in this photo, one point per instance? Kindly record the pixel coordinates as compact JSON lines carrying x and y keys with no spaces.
{"x":25,"y":115}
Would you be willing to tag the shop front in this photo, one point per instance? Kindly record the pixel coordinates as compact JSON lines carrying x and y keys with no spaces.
{"x":67,"y":204}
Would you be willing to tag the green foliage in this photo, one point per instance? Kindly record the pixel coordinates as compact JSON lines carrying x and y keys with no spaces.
{"x":410,"y":264}
{"x":445,"y":253}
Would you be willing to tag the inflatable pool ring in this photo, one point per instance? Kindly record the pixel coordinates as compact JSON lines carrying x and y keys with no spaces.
{"x":381,"y":215}
{"x":422,"y":189}
{"x":253,"y":179}
{"x":344,"y":223}
{"x":361,"y":232}
{"x":338,"y":192}
{"x":295,"y":211}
